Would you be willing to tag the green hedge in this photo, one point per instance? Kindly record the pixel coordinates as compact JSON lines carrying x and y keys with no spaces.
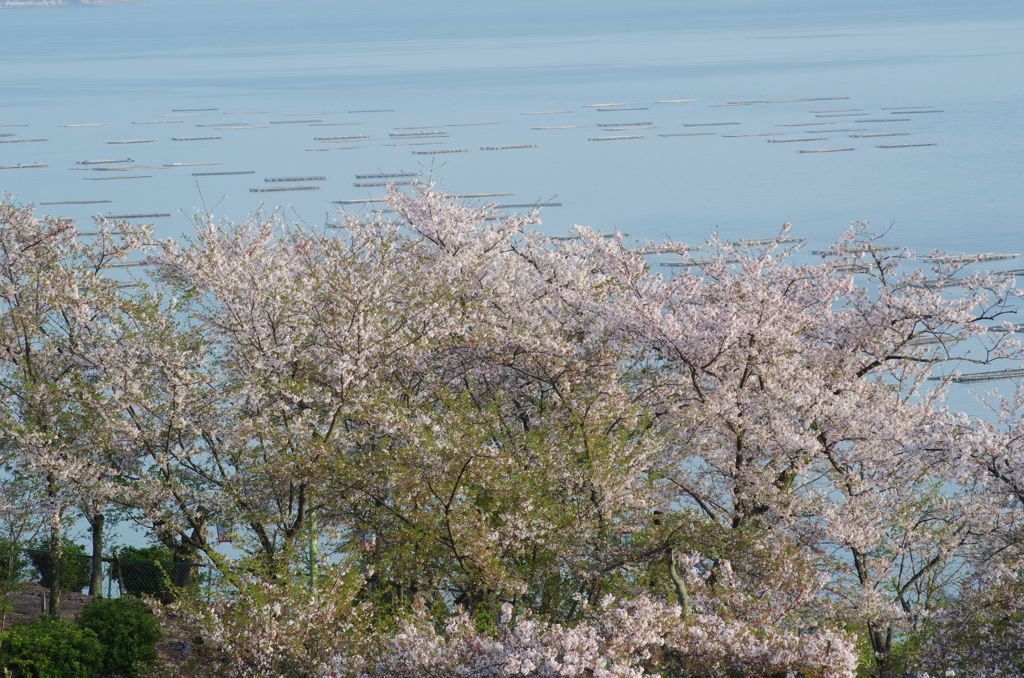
{"x":50,"y":648}
{"x":127,"y":630}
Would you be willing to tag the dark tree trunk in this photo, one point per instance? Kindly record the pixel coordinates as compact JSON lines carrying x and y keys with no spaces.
{"x":96,"y":577}
{"x":56,"y":555}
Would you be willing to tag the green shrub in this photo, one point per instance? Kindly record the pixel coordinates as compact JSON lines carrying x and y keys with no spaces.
{"x":50,"y":648}
{"x":75,"y":566}
{"x":127,"y":630}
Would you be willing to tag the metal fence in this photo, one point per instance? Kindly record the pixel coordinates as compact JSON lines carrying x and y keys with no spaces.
{"x":119,"y":576}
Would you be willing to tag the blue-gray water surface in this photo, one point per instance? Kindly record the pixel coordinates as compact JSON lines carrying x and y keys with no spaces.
{"x":940,"y":72}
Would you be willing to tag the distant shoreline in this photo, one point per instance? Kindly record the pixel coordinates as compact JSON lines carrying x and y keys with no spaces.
{"x":14,"y":4}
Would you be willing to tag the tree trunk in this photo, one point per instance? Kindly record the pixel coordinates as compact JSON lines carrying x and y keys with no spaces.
{"x":56,"y":584}
{"x":56,"y":553}
{"x":96,"y":577}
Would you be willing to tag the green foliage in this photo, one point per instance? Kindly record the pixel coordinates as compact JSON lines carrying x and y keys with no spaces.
{"x":75,"y":566}
{"x":127,"y":630}
{"x":50,"y":648}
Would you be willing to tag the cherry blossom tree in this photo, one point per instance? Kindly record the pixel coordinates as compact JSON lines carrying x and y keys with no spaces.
{"x":54,"y":300}
{"x":524,"y":448}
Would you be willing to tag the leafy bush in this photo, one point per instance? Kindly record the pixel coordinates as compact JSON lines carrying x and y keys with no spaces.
{"x":75,"y":565}
{"x":127,"y":630}
{"x":50,"y":648}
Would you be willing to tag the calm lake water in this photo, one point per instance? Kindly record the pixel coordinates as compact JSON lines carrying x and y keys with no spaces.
{"x":449,"y":65}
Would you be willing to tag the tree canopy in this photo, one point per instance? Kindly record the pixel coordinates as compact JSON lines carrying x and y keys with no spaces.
{"x":499,"y":448}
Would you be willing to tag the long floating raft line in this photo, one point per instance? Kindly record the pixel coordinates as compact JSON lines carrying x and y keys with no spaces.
{"x":685,"y":263}
{"x":127,"y":168}
{"x":757,"y":242}
{"x":278,"y":189}
{"x":530,"y":205}
{"x":839,"y":110}
{"x":130,"y":176}
{"x":192,"y":164}
{"x":689,"y":134}
{"x":970,"y":258}
{"x":31,"y":165}
{"x":387,"y":175}
{"x":13,"y":125}
{"x":134,"y":141}
{"x":611,"y":110}
{"x":606,"y":234}
{"x":86,"y":124}
{"x":269,"y":179}
{"x":220,"y":174}
{"x":75,"y":202}
{"x":913,"y":112}
{"x":665,"y":249}
{"x":152,"y":215}
{"x":857,"y":249}
{"x":905,"y":145}
{"x":194,"y":138}
{"x":787,"y":141}
{"x":902,"y":108}
{"x":222,"y":127}
{"x":340,"y":148}
{"x":292,"y":122}
{"x":123,"y":264}
{"x":884,"y":120}
{"x":880,"y":134}
{"x":602,"y":105}
{"x":623,"y":124}
{"x":1008,"y":373}
{"x":825,"y":150}
{"x":561,"y":127}
{"x":20,"y":141}
{"x":350,"y":137}
{"x":417,"y":143}
{"x":618,"y":138}
{"x":480,"y":195}
{"x":372,"y":184}
{"x":440,"y":151}
{"x":507,"y":148}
